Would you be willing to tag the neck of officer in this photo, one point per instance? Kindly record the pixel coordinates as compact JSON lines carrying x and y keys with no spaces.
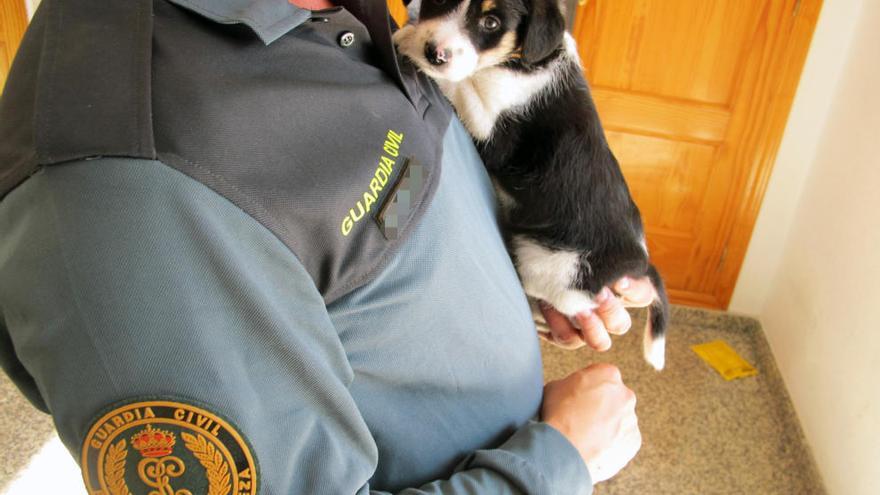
{"x":313,"y":4}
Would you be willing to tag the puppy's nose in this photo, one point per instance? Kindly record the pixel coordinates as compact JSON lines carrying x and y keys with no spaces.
{"x":436,"y":56}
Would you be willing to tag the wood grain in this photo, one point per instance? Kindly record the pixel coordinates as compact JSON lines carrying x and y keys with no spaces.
{"x":684,"y":120}
{"x":13,"y":22}
{"x":398,"y":11}
{"x":694,"y":97}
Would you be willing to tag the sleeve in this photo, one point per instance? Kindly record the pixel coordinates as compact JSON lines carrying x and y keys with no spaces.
{"x":179,"y":344}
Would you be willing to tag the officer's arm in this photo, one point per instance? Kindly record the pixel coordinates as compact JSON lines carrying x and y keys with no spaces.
{"x":176,"y":341}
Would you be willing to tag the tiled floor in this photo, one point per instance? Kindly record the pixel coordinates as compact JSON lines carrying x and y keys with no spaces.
{"x":701,"y":434}
{"x":32,"y":459}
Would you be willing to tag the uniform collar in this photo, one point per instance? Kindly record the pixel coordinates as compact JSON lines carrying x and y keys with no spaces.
{"x":269,"y":19}
{"x":272,"y":19}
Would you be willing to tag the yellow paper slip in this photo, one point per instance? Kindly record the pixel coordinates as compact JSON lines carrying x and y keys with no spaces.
{"x":725,"y":360}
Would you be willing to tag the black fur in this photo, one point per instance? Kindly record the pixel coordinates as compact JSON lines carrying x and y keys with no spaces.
{"x":554,"y":161}
{"x":541,"y":33}
{"x":568,"y":188}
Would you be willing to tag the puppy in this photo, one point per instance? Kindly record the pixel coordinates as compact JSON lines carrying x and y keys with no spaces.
{"x":513,"y":76}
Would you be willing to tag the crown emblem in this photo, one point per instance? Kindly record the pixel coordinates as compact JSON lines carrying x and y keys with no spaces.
{"x":153,"y":443}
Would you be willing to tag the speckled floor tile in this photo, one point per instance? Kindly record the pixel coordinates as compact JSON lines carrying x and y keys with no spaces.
{"x":702,"y":434}
{"x":23,"y":431}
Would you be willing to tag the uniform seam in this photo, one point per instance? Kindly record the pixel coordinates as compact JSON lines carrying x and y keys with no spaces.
{"x":52,"y":52}
{"x":241,"y":193}
{"x":143,"y":100}
{"x":88,"y":325}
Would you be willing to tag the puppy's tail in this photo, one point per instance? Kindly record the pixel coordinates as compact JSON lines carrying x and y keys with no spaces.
{"x":658,"y":317}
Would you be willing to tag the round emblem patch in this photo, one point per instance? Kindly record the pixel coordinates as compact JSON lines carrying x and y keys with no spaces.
{"x":166,"y":447}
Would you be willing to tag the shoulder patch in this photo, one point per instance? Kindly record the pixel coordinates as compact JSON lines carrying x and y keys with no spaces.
{"x":160,"y":446}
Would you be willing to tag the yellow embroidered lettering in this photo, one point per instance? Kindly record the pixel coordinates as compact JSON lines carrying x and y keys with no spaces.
{"x":347,"y":225}
{"x":359,"y":215}
{"x":369,"y":199}
{"x":388,"y":164}
{"x":395,"y":136}
{"x":391,"y":149}
{"x":381,"y":177}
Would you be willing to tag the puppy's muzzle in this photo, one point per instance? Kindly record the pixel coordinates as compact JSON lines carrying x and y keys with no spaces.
{"x":436,"y":56}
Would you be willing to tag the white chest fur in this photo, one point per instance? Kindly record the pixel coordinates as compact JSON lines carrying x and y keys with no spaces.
{"x":483,"y":97}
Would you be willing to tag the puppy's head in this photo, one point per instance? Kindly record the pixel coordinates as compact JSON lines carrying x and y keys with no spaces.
{"x":453,"y":39}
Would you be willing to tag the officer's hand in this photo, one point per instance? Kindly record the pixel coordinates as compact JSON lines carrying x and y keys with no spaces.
{"x":610,"y":317}
{"x":595,"y":411}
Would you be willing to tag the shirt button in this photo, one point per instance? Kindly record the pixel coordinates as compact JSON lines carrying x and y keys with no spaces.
{"x":346,"y":39}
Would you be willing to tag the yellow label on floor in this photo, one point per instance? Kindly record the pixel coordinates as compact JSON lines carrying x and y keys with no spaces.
{"x":725,"y":360}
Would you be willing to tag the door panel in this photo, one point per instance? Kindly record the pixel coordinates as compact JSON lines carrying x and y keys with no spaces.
{"x":398,"y":11}
{"x":668,"y":178}
{"x":639,"y":45}
{"x":694,"y":96}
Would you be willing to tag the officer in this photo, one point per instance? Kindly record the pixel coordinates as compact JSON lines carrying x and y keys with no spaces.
{"x":244,"y":249}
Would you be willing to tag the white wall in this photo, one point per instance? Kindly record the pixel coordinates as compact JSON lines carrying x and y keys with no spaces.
{"x":31,"y":6}
{"x":821,"y":260}
{"x":809,"y":112}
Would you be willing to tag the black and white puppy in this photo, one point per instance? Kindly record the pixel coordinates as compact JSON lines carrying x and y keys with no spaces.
{"x":514,"y":77}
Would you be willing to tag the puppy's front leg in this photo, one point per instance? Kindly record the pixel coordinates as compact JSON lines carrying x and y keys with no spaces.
{"x":550,"y":275}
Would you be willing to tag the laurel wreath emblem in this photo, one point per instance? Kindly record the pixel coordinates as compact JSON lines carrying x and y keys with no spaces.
{"x":114,"y":469}
{"x":216,"y":468}
{"x":212,"y":460}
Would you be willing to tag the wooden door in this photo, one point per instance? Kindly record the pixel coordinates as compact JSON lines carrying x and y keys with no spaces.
{"x":398,"y":11}
{"x":13,"y":21}
{"x":694,"y":96}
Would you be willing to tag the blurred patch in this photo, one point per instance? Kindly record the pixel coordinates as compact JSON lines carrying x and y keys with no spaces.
{"x":398,"y":205}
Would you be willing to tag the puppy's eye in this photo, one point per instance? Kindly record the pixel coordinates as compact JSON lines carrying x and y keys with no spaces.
{"x":490,"y":23}
{"x":439,"y":2}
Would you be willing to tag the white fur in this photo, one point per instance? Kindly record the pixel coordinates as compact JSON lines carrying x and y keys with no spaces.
{"x":550,"y":275}
{"x":481,"y":98}
{"x":447,"y":33}
{"x":412,"y":11}
{"x":654,"y":350}
{"x":479,"y":89}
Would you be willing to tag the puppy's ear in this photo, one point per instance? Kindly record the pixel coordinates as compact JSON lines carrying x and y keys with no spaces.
{"x":412,"y":9}
{"x":544,"y":31}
